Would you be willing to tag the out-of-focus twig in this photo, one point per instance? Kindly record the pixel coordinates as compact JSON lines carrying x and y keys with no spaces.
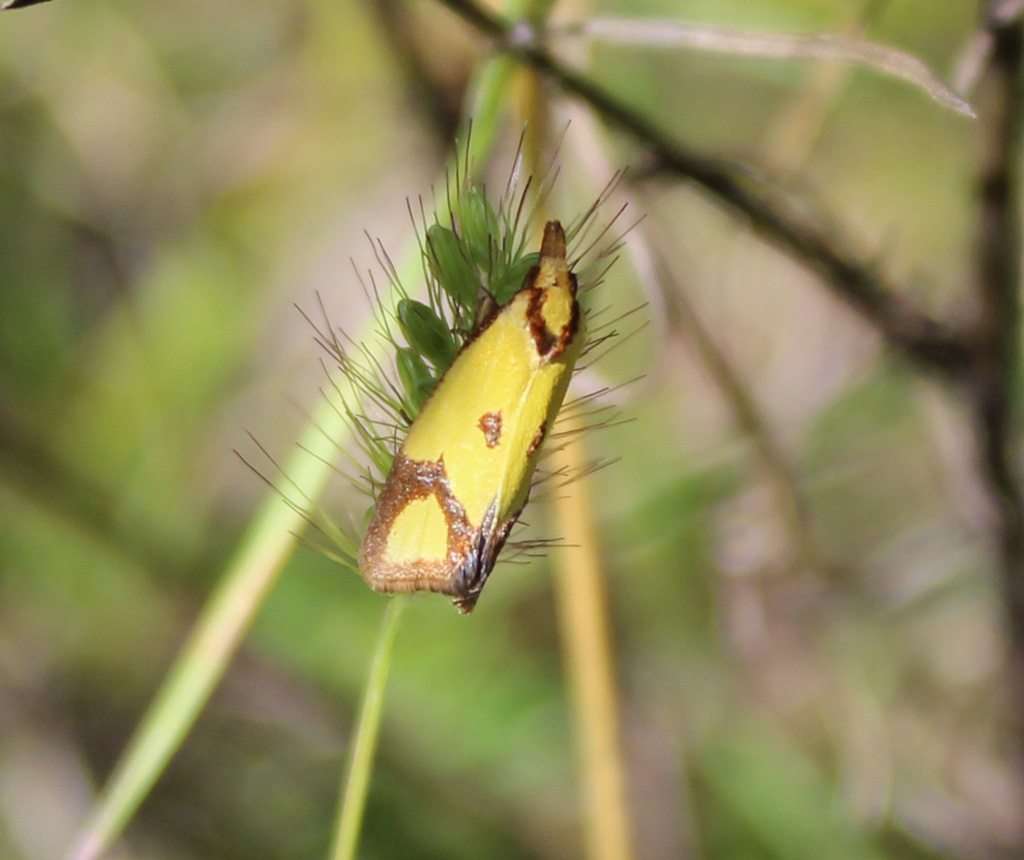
{"x":794,"y":226}
{"x":992,"y":383}
{"x":885,"y":59}
{"x":426,"y":93}
{"x":18,"y":4}
{"x":976,"y":54}
{"x":683,"y":317}
{"x":794,"y":132}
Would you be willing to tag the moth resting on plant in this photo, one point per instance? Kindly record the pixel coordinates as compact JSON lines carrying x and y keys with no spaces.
{"x":462,"y":476}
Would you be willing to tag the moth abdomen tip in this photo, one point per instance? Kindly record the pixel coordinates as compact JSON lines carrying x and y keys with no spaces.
{"x":553,"y":244}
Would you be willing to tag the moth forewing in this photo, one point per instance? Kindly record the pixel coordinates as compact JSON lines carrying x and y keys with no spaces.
{"x":462,"y":476}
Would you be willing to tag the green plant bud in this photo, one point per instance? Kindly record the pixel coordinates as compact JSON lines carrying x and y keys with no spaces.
{"x":416,"y":378}
{"x":426,"y":333}
{"x":450,"y":265}
{"x":506,"y":281}
{"x":478,"y":226}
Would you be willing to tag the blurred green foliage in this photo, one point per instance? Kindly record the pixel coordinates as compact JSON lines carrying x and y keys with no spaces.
{"x":173,"y":176}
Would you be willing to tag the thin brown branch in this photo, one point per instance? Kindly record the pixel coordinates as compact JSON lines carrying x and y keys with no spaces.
{"x":18,"y":4}
{"x":772,"y":459}
{"x":795,"y":228}
{"x":669,"y":33}
{"x":993,"y":381}
{"x":437,"y":104}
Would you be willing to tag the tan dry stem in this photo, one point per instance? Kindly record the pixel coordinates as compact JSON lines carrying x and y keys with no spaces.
{"x":586,"y":647}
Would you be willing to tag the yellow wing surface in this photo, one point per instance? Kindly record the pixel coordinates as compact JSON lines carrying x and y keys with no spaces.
{"x":463,"y":474}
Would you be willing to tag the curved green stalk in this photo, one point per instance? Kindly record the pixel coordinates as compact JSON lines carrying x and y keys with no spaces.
{"x":253,"y":570}
{"x":223,"y":621}
{"x":226,"y":616}
{"x":364,"y":742}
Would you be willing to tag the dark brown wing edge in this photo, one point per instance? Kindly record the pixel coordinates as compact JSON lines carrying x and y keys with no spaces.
{"x":18,"y":4}
{"x":472,"y":576}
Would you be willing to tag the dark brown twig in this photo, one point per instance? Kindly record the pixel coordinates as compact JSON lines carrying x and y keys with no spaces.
{"x":992,"y":383}
{"x":981,"y":359}
{"x":18,"y":4}
{"x":438,"y":104}
{"x":928,"y":342}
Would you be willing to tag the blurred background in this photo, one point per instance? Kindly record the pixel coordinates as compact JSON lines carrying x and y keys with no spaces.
{"x":809,"y":641}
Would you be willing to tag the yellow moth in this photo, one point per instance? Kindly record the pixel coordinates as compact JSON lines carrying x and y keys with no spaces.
{"x":462,"y":476}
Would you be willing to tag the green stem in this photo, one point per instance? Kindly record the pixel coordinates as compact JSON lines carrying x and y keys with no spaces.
{"x":223,"y":621}
{"x":364,"y":744}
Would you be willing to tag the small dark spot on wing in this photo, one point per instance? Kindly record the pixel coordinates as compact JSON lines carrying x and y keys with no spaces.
{"x":490,"y":424}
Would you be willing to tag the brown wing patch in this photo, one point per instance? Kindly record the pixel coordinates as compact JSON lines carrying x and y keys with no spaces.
{"x":550,"y":344}
{"x":408,"y":481}
{"x":471,"y":552}
{"x":538,"y":437}
{"x":490,"y":424}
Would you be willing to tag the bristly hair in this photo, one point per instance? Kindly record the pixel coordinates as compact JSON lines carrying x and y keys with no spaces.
{"x":474,"y":256}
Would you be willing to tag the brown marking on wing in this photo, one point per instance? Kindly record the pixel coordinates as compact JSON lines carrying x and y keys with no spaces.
{"x":550,"y":344}
{"x":471,"y":552}
{"x":490,"y":424}
{"x":537,"y":439}
{"x":408,"y":481}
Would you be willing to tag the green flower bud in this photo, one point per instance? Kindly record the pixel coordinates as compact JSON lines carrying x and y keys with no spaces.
{"x":508,"y":280}
{"x":416,"y":378}
{"x":450,"y":265}
{"x":478,"y":227}
{"x":426,"y":333}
